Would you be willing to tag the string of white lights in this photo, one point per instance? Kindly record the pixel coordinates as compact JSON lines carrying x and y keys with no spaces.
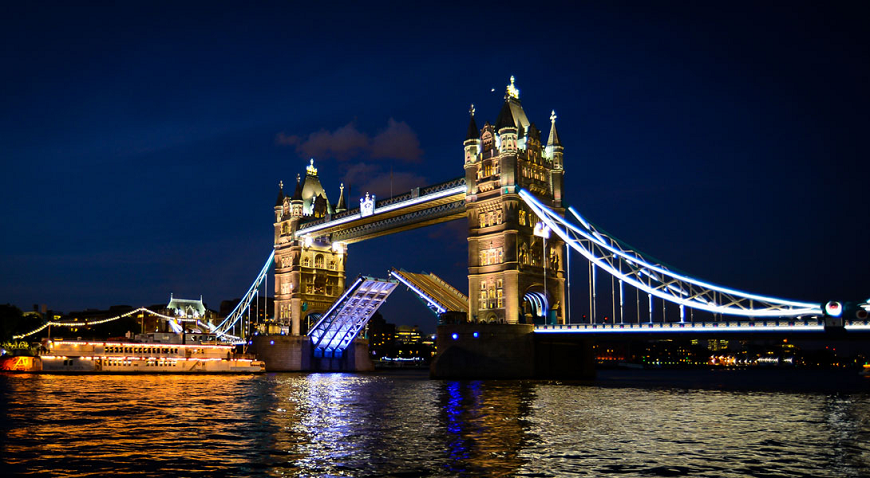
{"x":86,"y":323}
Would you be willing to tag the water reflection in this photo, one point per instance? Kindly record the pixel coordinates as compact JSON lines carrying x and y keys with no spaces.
{"x":404,"y":424}
{"x":485,"y":424}
{"x":88,"y":425}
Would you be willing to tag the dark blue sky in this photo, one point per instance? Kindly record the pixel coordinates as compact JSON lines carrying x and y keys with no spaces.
{"x":142,"y":144}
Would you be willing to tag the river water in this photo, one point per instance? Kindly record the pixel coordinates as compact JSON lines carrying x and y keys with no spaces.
{"x":633,"y":423}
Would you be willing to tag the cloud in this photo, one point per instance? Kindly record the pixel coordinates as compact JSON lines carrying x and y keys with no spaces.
{"x":342,"y":144}
{"x":359,"y":173}
{"x":397,"y":141}
{"x":371,"y":178}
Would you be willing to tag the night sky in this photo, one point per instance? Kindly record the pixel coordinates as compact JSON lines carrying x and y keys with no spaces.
{"x":142,"y":144}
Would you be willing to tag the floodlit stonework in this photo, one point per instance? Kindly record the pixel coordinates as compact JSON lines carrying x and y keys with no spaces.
{"x":506,"y":260}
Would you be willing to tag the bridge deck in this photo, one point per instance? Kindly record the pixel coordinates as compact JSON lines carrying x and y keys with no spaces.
{"x":759,"y":325}
{"x":350,"y":313}
{"x":438,"y":294}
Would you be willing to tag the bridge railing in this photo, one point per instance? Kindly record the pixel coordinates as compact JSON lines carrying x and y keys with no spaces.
{"x":761,"y":325}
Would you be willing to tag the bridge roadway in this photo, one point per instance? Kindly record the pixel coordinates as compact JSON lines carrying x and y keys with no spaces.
{"x":417,"y":208}
{"x":810,"y":327}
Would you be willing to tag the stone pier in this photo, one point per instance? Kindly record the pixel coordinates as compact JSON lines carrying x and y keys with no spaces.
{"x":498,"y":351}
{"x":292,"y":353}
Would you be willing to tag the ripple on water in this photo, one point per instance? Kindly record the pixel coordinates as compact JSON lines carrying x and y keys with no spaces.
{"x":402,"y":424}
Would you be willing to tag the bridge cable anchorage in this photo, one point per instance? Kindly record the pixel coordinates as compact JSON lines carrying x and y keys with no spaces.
{"x":222,"y":330}
{"x":635,"y":269}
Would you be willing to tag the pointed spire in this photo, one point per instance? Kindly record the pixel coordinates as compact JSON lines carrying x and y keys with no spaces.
{"x":280,"y":200}
{"x":554,"y":136}
{"x":512,"y":91}
{"x":505,"y":117}
{"x":473,"y":132}
{"x":341,"y":205}
{"x":297,"y":195}
{"x":311,"y":170}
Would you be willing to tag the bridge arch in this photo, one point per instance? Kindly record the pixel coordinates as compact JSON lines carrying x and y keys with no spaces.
{"x":536,"y":305}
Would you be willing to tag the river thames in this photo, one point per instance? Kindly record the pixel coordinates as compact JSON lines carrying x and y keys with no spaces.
{"x":632,"y":423}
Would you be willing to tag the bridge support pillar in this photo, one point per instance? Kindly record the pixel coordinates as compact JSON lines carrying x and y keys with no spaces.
{"x":498,"y":351}
{"x":293,"y":353}
{"x":282,"y":353}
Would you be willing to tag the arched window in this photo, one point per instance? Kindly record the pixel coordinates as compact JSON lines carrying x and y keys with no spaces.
{"x":318,"y":261}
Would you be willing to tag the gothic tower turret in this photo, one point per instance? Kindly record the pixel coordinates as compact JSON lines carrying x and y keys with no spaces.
{"x":296,"y":202}
{"x":341,"y":205}
{"x":555,"y":152}
{"x":472,"y":140}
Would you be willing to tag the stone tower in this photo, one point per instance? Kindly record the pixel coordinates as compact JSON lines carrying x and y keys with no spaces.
{"x":506,"y":259}
{"x":309,"y":274}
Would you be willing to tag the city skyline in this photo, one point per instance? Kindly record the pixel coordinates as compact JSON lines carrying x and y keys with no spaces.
{"x":144,"y":154}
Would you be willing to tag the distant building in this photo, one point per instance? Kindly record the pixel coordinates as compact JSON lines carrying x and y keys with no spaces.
{"x":186,"y":308}
{"x":407,"y":335}
{"x":382,"y":336}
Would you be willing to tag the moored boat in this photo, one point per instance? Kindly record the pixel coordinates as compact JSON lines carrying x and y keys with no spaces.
{"x":158,"y":353}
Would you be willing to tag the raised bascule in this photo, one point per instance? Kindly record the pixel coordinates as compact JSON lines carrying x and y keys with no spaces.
{"x":514,"y":319}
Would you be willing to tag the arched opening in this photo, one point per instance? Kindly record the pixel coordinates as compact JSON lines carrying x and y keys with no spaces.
{"x":536,"y":306}
{"x":311,"y":320}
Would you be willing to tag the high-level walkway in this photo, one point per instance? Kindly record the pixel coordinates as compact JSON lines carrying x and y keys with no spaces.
{"x":417,"y":208}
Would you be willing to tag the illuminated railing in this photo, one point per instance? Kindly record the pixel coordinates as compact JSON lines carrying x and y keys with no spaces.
{"x":761,"y":325}
{"x":657,"y":280}
{"x":222,"y":330}
{"x":430,"y":193}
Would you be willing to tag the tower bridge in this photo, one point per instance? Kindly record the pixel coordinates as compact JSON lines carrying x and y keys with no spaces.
{"x":520,"y":236}
{"x":513,"y":320}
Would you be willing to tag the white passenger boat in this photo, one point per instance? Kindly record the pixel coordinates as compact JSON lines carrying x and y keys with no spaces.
{"x":152,"y":353}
